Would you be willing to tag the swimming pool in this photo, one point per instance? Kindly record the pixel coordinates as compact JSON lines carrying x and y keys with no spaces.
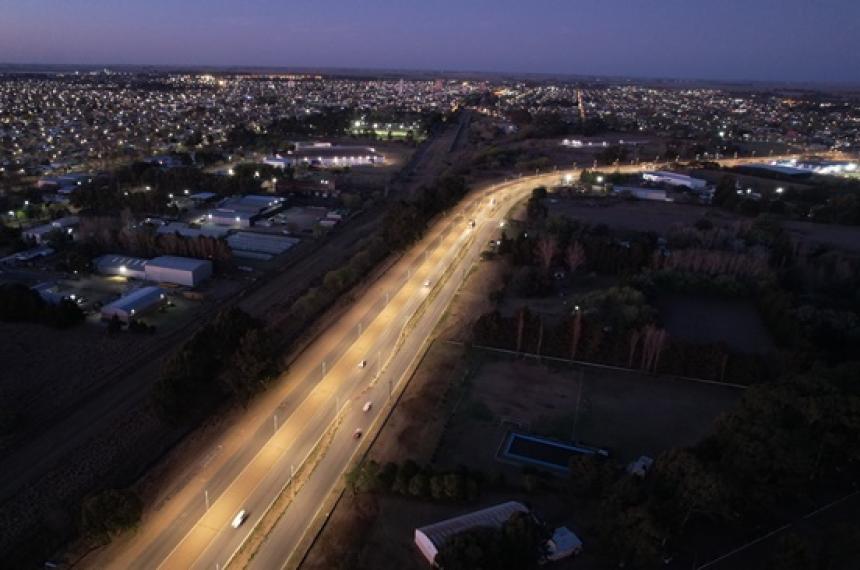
{"x":544,"y":452}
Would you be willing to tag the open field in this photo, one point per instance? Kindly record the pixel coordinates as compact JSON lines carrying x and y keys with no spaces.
{"x":629,"y":413}
{"x":846,"y":238}
{"x":632,"y":215}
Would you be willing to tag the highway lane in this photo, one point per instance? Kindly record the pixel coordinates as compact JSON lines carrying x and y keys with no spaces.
{"x":249,"y":466}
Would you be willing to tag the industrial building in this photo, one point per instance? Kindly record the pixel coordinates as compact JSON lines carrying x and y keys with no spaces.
{"x":429,"y":539}
{"x":675,"y":179}
{"x":137,"y":303}
{"x":653,"y":194}
{"x":165,"y":269}
{"x":38,"y":233}
{"x":326,"y":157}
{"x":242,"y":212}
{"x":817,"y":166}
{"x":178,"y":270}
{"x":123,"y":265}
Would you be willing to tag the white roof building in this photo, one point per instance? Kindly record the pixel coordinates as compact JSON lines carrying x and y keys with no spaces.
{"x":430,"y":538}
{"x":135,"y":304}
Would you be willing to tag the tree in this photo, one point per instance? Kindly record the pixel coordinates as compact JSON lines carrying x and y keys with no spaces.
{"x":419,"y":485}
{"x":109,"y":512}
{"x":517,"y":545}
{"x":251,"y":365}
{"x":546,"y":250}
{"x":574,"y":256}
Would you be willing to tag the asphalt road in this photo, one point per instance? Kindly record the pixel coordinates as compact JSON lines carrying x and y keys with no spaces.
{"x":253,"y":461}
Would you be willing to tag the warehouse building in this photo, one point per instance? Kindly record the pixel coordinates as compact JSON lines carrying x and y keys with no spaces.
{"x":675,"y":179}
{"x":165,"y":269}
{"x":429,"y":539}
{"x":178,"y":270}
{"x":122,"y":265}
{"x":38,"y":233}
{"x":133,"y":305}
{"x":652,"y":194}
{"x":242,"y":212}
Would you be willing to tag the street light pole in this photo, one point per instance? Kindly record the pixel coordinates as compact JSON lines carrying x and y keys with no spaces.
{"x":206,"y":497}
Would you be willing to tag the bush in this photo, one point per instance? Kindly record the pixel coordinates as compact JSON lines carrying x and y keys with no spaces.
{"x":110,"y":512}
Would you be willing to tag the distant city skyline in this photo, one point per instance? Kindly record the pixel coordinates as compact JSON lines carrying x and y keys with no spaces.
{"x":766,"y":40}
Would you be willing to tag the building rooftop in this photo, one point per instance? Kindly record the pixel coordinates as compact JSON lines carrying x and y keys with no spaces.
{"x":440,"y":532}
{"x":175,"y":262}
{"x":137,"y":298}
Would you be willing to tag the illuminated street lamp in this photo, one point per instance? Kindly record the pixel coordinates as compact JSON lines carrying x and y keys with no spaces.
{"x":780,"y":190}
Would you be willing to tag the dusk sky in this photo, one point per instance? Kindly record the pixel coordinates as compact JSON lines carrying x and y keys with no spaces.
{"x":801,"y":40}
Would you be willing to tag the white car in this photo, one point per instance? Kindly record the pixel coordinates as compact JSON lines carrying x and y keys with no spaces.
{"x":239,"y":518}
{"x":362,"y":364}
{"x":367,"y":405}
{"x":426,"y":282}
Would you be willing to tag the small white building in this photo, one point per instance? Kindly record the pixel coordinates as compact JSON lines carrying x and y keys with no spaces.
{"x":137,"y":303}
{"x":430,"y":538}
{"x":178,"y":270}
{"x":563,"y":543}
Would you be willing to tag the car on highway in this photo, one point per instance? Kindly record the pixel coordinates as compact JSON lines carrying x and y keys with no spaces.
{"x":362,"y":364}
{"x":239,"y":518}
{"x":357,"y":433}
{"x":471,"y":223}
{"x":426,"y":282}
{"x":367,"y":405}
